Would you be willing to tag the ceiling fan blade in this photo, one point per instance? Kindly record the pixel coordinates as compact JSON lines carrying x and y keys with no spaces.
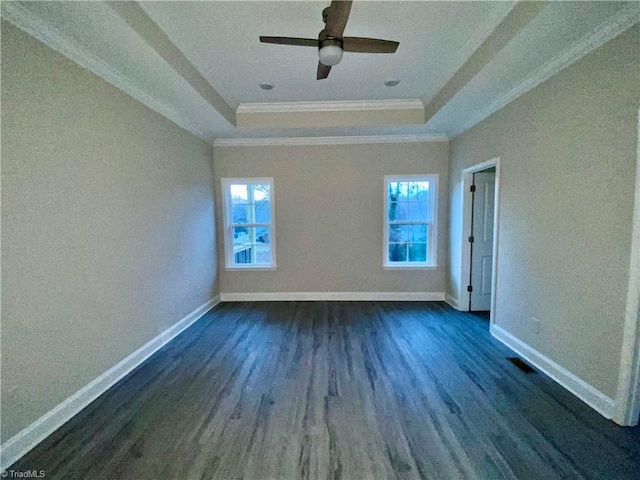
{"x":301,"y":42}
{"x":337,"y":18}
{"x":323,"y":71}
{"x":368,"y":45}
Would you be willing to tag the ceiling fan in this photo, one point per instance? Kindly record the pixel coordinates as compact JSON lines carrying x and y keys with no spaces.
{"x":331,"y":44}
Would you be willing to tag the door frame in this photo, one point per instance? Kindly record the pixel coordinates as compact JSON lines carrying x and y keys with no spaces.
{"x":467,"y":213}
{"x":627,"y":407}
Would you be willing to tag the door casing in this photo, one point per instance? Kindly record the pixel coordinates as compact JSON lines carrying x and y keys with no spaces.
{"x":467,"y":180}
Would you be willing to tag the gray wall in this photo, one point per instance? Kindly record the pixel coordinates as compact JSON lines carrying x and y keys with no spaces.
{"x":107,"y":227}
{"x":568,"y":159}
{"x":329,"y":214}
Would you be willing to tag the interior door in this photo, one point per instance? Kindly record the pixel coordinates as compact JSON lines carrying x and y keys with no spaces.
{"x":482,"y":240}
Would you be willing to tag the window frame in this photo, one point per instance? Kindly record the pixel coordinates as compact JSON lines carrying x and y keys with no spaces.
{"x":431,"y":222}
{"x":229,"y":225}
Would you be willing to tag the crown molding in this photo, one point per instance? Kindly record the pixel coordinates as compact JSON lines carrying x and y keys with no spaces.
{"x":607,"y":30}
{"x":343,"y":106}
{"x":34,"y":25}
{"x":144,"y":26}
{"x":354,"y":140}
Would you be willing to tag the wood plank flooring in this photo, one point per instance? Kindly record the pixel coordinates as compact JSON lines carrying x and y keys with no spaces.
{"x":328,"y":390}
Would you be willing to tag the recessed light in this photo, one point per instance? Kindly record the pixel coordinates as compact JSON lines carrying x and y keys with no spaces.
{"x":266,"y":86}
{"x":392,"y":83}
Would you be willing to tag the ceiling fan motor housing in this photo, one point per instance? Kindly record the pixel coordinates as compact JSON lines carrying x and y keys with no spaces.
{"x":325,"y":14}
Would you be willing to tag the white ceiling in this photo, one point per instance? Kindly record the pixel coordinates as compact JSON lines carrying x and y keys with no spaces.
{"x":220,"y":39}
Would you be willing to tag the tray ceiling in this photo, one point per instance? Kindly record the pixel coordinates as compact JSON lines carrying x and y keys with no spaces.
{"x":197,"y":62}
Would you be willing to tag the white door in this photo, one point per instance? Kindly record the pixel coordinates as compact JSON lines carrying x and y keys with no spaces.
{"x":482,"y":244}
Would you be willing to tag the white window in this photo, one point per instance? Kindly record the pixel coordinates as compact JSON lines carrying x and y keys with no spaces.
{"x":410,"y":226}
{"x":249,"y":230}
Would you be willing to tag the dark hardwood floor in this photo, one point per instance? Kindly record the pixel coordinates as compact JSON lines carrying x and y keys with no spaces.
{"x":351,"y":390}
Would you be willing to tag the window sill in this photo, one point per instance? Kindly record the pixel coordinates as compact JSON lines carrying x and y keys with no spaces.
{"x":409,"y":267}
{"x":250,"y":269}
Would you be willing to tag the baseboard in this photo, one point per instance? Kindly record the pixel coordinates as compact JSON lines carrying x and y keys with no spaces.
{"x":451,"y":300}
{"x":332,"y":296}
{"x":590,"y":395}
{"x":18,"y":445}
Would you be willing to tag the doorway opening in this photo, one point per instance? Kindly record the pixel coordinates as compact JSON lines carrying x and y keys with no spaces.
{"x":480,"y":237}
{"x":480,"y":240}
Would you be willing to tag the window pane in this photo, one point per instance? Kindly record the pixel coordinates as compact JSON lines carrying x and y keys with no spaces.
{"x":415,"y":211}
{"x":398,"y":233}
{"x":397,"y":252}
{"x":404,"y":191}
{"x":392,"y":214}
{"x":401,"y":211}
{"x":423,"y":191}
{"x":252,"y":245}
{"x":262,"y":235}
{"x":240,"y":214}
{"x":418,"y":233}
{"x":239,"y":194}
{"x":263,"y":254}
{"x":413,"y":191}
{"x":242,"y":236}
{"x":417,"y":252}
{"x":263,"y":211}
{"x":393,"y":191}
{"x":242,"y":245}
{"x":260,"y":192}
{"x":243,"y":256}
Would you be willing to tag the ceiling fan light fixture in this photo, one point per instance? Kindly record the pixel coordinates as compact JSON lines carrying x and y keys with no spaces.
{"x":330,"y":55}
{"x":332,"y":43}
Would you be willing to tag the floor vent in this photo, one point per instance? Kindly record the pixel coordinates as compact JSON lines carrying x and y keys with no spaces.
{"x":522,"y":365}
